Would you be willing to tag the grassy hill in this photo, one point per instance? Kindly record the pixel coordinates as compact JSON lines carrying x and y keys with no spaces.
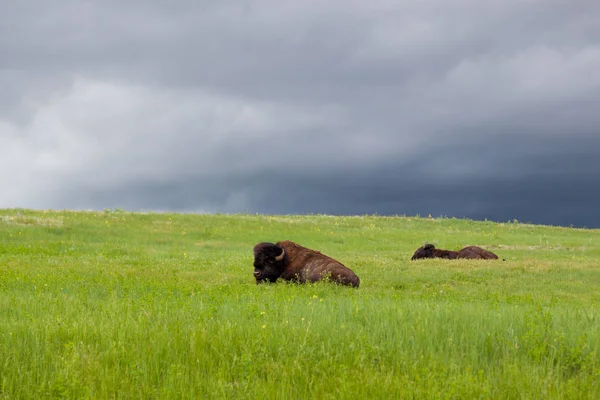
{"x":133,"y":305}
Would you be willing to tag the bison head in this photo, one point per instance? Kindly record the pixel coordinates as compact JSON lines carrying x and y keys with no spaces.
{"x":424,"y":252}
{"x":269,"y":262}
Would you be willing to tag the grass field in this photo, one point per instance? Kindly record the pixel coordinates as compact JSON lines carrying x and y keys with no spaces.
{"x":130,"y":305}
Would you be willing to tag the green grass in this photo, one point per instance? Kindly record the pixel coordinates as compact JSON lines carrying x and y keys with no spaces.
{"x":124,"y":305}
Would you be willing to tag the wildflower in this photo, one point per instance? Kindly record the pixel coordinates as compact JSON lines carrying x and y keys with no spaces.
{"x":262,"y":313}
{"x":264,"y":326}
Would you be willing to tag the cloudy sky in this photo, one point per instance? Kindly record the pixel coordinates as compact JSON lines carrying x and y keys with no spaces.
{"x":466,"y":108}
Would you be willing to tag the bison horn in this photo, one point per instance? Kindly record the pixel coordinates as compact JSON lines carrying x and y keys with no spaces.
{"x":280,"y":257}
{"x":425,"y":243}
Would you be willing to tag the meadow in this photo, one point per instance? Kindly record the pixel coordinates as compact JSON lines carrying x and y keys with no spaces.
{"x":112,"y":304}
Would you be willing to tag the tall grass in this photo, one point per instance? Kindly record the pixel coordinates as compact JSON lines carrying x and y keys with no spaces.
{"x":122,"y":305}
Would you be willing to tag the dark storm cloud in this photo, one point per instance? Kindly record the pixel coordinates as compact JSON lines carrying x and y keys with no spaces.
{"x":461,"y":108}
{"x":536,"y":183}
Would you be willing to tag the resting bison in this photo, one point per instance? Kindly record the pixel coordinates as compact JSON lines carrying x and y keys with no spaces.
{"x":292,"y":262}
{"x":473,"y":252}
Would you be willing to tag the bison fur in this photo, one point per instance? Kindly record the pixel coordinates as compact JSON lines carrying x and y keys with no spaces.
{"x":469,"y":252}
{"x":291,"y":262}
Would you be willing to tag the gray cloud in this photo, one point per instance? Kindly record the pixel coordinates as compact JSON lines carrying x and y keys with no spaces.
{"x":540,"y":185}
{"x":450,"y":108}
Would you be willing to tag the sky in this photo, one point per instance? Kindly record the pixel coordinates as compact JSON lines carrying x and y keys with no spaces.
{"x":454,"y":108}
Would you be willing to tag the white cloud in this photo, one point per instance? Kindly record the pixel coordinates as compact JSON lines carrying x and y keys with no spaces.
{"x":105,"y":134}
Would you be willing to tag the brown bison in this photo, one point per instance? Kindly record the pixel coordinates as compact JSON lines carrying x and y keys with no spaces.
{"x":472,"y":252}
{"x":292,"y":262}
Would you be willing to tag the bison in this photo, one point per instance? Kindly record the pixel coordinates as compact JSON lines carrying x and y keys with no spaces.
{"x":472,"y":252}
{"x":291,"y":262}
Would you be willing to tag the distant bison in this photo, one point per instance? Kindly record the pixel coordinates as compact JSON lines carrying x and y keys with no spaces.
{"x":292,"y":262}
{"x":472,"y":252}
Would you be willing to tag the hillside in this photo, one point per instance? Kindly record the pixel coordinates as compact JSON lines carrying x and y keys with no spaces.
{"x":130,"y":305}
